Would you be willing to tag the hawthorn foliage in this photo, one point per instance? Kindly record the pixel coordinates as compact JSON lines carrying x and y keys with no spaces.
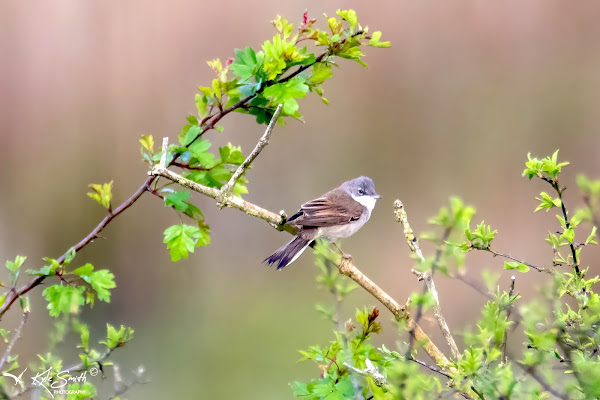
{"x":560,"y":326}
{"x":296,"y":61}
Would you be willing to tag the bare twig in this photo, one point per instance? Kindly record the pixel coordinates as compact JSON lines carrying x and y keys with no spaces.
{"x":413,"y":244}
{"x":262,"y":143}
{"x":14,"y":339}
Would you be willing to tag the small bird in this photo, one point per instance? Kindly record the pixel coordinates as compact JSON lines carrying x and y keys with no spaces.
{"x":339,"y":213}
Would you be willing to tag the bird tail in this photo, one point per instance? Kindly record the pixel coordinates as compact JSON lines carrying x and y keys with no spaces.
{"x":289,"y":252}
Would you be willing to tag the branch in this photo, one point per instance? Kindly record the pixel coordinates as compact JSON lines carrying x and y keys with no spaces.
{"x":16,"y":337}
{"x":262,"y":143}
{"x":208,"y":123}
{"x":14,"y":295}
{"x":275,"y":220}
{"x":346,"y":267}
{"x":413,"y":244}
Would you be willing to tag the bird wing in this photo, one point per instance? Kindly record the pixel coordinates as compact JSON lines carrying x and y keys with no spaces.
{"x":333,"y":208}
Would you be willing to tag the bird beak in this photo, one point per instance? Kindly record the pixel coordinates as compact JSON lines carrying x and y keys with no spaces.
{"x":377,"y":196}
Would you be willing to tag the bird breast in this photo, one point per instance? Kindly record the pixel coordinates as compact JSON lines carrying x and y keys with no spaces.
{"x":343,"y":231}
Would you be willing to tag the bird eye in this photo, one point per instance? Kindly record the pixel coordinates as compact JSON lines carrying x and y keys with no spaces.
{"x":360,"y":191}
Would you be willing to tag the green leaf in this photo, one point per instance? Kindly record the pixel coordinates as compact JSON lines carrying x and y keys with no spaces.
{"x":286,"y":94}
{"x":350,"y":16}
{"x":590,"y":239}
{"x":248,"y":63}
{"x":101,"y":281}
{"x":547,"y":202}
{"x":375,"y":40}
{"x":117,"y":338}
{"x":47,"y":270}
{"x":231,"y":154}
{"x":198,"y":150}
{"x":279,"y":55}
{"x":86,"y":390}
{"x":84,"y":333}
{"x":199,"y":147}
{"x":102,"y":193}
{"x":425,"y":300}
{"x":177,"y":200}
{"x":517,"y":266}
{"x":63,"y":299}
{"x":13,"y":266}
{"x":569,"y":235}
{"x":181,"y":240}
{"x":299,"y":389}
{"x":191,"y":134}
{"x":147,"y":143}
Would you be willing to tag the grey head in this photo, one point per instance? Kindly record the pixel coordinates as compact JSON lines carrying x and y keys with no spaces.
{"x":361,"y":186}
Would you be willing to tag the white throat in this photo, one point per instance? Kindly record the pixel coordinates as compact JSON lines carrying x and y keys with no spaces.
{"x":367,"y":201}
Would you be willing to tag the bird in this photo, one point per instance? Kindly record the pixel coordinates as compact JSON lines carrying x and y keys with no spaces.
{"x":337,"y":214}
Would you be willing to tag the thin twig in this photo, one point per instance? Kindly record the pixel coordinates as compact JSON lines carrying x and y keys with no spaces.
{"x":185,"y":166}
{"x":431,"y":367}
{"x":14,"y":339}
{"x":262,"y":143}
{"x":509,"y":257}
{"x":413,"y":244}
{"x":511,"y":291}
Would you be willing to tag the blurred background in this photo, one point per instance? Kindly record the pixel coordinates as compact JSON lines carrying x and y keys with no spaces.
{"x":452,"y":108}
